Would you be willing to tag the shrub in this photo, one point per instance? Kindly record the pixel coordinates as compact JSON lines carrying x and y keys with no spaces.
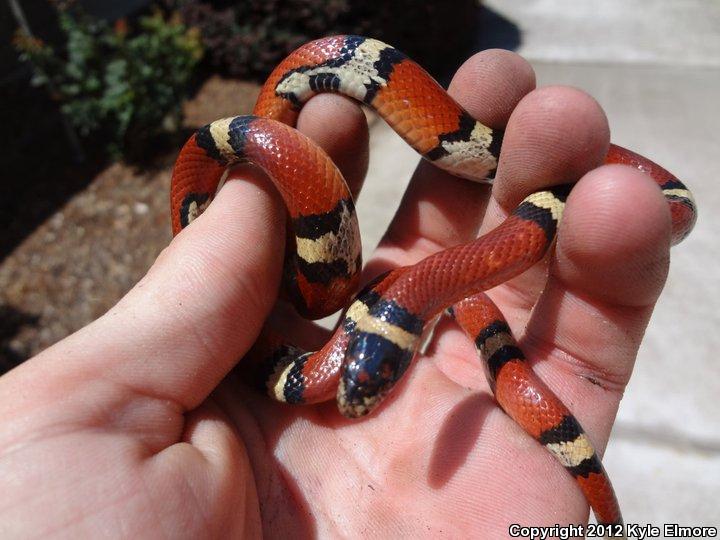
{"x":126,"y":87}
{"x":249,"y":38}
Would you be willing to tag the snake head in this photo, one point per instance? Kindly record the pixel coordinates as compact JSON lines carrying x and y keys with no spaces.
{"x":383,"y":341}
{"x":373,"y":364}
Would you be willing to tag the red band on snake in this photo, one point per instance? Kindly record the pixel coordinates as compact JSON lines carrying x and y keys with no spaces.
{"x":382,"y":328}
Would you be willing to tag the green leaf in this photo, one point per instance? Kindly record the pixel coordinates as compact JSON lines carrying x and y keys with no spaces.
{"x":115,"y":85}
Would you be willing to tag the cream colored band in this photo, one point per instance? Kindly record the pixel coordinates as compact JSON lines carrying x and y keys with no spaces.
{"x":276,"y":382}
{"x":220,"y":132}
{"x":678,"y":192}
{"x":359,"y":313}
{"x":548,"y":201}
{"x":572,"y":453}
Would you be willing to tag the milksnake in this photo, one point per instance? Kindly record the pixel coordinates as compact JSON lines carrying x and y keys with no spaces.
{"x":382,"y":328}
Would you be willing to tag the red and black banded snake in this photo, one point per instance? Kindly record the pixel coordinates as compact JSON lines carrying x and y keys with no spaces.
{"x":381,"y":329}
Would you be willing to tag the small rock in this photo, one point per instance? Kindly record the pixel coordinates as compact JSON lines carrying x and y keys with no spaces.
{"x":141,"y":208}
{"x":57,"y":220}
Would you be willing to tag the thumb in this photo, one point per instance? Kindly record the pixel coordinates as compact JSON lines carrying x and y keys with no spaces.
{"x":178,"y":332}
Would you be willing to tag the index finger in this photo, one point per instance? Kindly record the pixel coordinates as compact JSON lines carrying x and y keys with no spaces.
{"x":438,"y":209}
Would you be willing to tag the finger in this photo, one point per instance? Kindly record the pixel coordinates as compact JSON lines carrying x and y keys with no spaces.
{"x":338,"y":125}
{"x":195,"y":313}
{"x":610,"y":266}
{"x":554,"y":136}
{"x":438,"y":209}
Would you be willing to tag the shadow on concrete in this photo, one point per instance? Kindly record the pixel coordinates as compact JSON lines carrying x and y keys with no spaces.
{"x":496,"y":32}
{"x":489,"y":30}
{"x":438,"y":38}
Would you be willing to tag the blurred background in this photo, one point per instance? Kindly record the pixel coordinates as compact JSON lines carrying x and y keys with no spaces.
{"x":96,"y":98}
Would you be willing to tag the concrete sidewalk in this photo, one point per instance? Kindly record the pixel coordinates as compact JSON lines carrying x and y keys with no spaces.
{"x":655,"y":68}
{"x":664,"y":456}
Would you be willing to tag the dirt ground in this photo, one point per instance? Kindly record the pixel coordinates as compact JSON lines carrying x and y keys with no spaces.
{"x":95,"y":245}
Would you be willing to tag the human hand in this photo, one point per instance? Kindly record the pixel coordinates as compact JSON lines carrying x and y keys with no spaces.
{"x":132,"y":426}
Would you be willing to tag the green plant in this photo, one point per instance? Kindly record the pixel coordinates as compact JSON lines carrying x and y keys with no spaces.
{"x":125,"y":86}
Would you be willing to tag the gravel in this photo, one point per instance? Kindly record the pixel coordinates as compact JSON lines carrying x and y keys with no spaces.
{"x":82,"y":259}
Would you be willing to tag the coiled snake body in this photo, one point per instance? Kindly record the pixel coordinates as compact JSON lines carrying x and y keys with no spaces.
{"x":382,"y":328}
